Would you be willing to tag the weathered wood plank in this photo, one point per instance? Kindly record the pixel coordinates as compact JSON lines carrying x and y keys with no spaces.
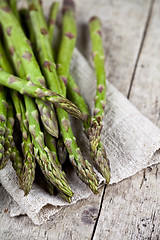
{"x":131,"y":209}
{"x":145,"y":94}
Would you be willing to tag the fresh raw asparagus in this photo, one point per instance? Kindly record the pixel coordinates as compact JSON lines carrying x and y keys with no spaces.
{"x":12,"y":30}
{"x":100,"y":99}
{"x":3,"y":122}
{"x":52,"y":20}
{"x":73,"y":93}
{"x":28,"y":167}
{"x":27,"y":149}
{"x":61,"y":150}
{"x":84,"y":169}
{"x":99,"y":156}
{"x":3,"y":117}
{"x":30,"y":89}
{"x":51,"y":144}
{"x":7,"y":145}
{"x":69,"y":33}
{"x":14,"y":154}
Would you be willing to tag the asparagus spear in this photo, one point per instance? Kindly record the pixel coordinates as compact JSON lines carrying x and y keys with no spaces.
{"x":61,"y":150}
{"x":93,"y":132}
{"x":6,"y":126}
{"x":52,"y":19}
{"x":12,"y":29}
{"x":69,"y":32}
{"x":3,"y":122}
{"x":99,"y":156}
{"x":32,"y":90}
{"x":84,"y":169}
{"x":51,"y":144}
{"x":27,"y":149}
{"x":97,"y":149}
{"x":4,"y":155}
{"x":73,"y":93}
{"x":14,"y":154}
{"x":100,"y":99}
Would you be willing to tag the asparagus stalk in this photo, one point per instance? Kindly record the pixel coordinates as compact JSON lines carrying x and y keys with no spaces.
{"x":69,"y":32}
{"x":52,"y":20}
{"x":99,"y":156}
{"x":30,"y":89}
{"x":61,"y":150}
{"x":66,"y":48}
{"x":93,"y":132}
{"x":73,"y":93}
{"x":100,"y":99}
{"x":12,"y":30}
{"x":84,"y":169}
{"x":3,"y":122}
{"x":51,"y":144}
{"x":27,"y":149}
{"x":14,"y":154}
{"x":6,"y":126}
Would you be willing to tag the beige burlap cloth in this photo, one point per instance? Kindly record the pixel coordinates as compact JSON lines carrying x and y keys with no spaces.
{"x":131,"y":142}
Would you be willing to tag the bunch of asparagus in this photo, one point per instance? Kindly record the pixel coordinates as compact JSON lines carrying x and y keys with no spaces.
{"x":36,"y":79}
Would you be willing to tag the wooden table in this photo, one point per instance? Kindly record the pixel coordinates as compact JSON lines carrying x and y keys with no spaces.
{"x":131,"y":208}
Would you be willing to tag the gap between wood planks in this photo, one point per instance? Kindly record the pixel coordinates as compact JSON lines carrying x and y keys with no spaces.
{"x":128,"y":95}
{"x":141,"y":46}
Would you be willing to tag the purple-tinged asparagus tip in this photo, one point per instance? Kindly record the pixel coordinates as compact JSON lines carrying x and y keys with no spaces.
{"x":94,"y":18}
{"x":68,"y":5}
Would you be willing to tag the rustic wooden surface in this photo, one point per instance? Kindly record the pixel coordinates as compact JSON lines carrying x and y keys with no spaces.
{"x":130,"y":209}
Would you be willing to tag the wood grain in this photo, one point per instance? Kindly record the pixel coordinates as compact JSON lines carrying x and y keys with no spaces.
{"x":145,"y":94}
{"x":131,"y":209}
